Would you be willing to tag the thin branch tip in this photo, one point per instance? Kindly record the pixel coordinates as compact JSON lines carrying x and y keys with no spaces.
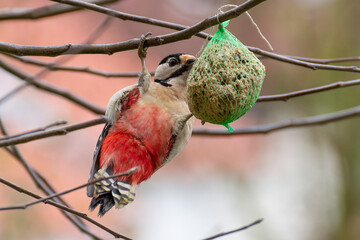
{"x":236,"y":230}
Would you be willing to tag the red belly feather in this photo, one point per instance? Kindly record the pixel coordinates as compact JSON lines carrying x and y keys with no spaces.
{"x":123,"y":151}
{"x":140,"y":138}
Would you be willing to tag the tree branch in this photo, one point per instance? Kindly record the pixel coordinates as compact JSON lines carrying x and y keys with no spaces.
{"x":91,"y":38}
{"x":111,"y":48}
{"x":51,"y":88}
{"x":185,"y":33}
{"x":40,"y":129}
{"x":313,"y":66}
{"x":52,"y":66}
{"x":236,"y":230}
{"x":65,"y":208}
{"x":39,"y":180}
{"x":287,"y":96}
{"x":43,"y":184}
{"x":41,"y":12}
{"x":126,"y":16}
{"x":326,"y":61}
{"x":44,"y":199}
{"x":310,"y":121}
{"x":262,"y":129}
{"x":13,"y":92}
{"x":54,"y":132}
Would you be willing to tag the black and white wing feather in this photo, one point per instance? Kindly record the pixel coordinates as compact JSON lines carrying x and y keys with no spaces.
{"x":115,"y":106}
{"x":96,"y":159}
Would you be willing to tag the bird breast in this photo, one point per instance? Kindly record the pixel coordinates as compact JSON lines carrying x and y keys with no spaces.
{"x":151,"y":125}
{"x":152,"y":120}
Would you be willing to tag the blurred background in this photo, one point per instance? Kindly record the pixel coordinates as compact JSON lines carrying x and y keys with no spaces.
{"x":304,"y":182}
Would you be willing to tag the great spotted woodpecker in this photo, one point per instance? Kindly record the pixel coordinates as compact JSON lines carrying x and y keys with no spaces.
{"x":148,"y":124}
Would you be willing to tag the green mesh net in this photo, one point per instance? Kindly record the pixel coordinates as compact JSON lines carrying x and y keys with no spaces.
{"x":225,"y":81}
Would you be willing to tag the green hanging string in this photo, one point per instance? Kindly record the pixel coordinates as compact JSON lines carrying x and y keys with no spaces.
{"x":229,"y":128}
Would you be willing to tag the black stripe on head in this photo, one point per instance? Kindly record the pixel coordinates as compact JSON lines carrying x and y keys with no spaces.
{"x":176,"y":55}
{"x":180,"y":71}
{"x":175,"y":74}
{"x":163,"y":82}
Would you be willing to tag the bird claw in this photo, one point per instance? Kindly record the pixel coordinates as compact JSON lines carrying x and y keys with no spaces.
{"x":145,"y":77}
{"x":141,"y":49}
{"x":180,"y":123}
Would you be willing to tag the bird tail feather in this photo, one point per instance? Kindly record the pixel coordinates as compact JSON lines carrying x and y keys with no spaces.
{"x":110,"y":192}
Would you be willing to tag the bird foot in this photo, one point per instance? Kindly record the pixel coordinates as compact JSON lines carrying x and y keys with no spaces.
{"x":141,"y":49}
{"x":180,"y":123}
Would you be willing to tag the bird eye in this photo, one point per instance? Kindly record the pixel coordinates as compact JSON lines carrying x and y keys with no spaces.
{"x":172,"y":62}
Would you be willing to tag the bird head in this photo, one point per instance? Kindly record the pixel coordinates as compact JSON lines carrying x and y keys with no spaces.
{"x":174,"y":69}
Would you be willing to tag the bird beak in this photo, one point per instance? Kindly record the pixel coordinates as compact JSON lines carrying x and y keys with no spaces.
{"x":187,"y":59}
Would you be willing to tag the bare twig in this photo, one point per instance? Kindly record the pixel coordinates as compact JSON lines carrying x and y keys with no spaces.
{"x":41,"y":12}
{"x":125,"y":16}
{"x":313,"y":66}
{"x":44,"y":199}
{"x":43,"y":184}
{"x":40,"y":181}
{"x":65,"y":208}
{"x":234,"y":231}
{"x":287,"y":96}
{"x":310,"y":121}
{"x":280,"y":97}
{"x":187,"y":33}
{"x":13,"y":92}
{"x":52,"y":66}
{"x":50,"y":88}
{"x":91,"y":38}
{"x":262,"y":129}
{"x":45,"y":187}
{"x":40,"y":129}
{"x":31,"y":135}
{"x":326,"y":61}
{"x":54,"y":132}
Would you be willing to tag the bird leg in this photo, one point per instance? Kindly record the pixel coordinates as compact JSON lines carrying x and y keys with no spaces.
{"x":180,"y":123}
{"x":145,"y":77}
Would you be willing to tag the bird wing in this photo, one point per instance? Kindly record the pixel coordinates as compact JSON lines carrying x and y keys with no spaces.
{"x":96,"y":159}
{"x":120,"y":101}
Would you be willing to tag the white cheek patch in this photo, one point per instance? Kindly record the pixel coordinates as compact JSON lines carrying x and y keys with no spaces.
{"x":164,"y":71}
